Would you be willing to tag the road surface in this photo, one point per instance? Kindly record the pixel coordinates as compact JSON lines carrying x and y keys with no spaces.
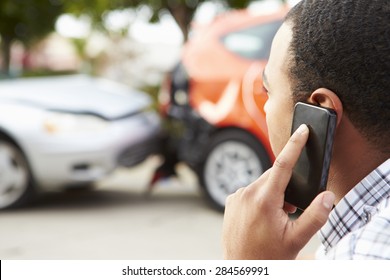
{"x":118,"y":220}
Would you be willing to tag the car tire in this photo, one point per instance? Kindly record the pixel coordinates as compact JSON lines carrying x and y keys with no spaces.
{"x":16,"y":184}
{"x":233,"y":159}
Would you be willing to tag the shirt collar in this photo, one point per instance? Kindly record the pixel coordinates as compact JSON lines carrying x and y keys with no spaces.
{"x":352,"y":211}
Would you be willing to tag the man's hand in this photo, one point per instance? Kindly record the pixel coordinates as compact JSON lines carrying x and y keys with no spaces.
{"x":256,"y":223}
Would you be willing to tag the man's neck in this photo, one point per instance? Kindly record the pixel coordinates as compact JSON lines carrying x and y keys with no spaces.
{"x":353,"y":159}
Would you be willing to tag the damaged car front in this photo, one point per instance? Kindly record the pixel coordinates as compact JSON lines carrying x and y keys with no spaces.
{"x":70,"y":131}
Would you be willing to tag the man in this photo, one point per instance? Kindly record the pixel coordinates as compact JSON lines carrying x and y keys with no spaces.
{"x":335,"y":54}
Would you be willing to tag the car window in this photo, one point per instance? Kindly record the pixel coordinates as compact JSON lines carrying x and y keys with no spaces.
{"x":252,"y":43}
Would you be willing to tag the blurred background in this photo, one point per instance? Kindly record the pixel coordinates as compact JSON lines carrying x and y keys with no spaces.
{"x":134,"y":42}
{"x":98,"y":101}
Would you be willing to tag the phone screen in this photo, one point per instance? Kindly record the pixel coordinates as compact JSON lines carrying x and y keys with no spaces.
{"x":310,"y":173}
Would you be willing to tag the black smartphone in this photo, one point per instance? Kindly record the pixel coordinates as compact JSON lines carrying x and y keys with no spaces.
{"x":310,"y":174}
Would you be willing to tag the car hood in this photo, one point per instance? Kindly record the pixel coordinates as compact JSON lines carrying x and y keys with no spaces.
{"x":76,"y":94}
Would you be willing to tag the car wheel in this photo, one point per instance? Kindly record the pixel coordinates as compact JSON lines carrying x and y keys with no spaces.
{"x":16,"y":186}
{"x":233,"y":160}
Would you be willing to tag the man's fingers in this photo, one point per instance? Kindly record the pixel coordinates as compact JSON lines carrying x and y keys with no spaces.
{"x":282,"y":169}
{"x":312,"y":219}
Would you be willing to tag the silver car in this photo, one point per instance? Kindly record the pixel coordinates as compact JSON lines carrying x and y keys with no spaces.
{"x":69,"y":131}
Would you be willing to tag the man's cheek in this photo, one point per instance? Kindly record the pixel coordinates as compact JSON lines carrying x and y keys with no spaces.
{"x":274,"y":142}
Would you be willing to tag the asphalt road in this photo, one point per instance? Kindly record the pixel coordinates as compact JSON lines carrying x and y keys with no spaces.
{"x":118,"y":220}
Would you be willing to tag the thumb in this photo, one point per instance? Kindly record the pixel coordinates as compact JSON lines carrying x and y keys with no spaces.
{"x":313,"y":218}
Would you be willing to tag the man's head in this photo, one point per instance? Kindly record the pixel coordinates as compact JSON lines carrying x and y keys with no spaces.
{"x":342,"y":46}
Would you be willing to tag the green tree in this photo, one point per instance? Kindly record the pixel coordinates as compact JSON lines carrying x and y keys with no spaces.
{"x":30,"y":20}
{"x":94,"y":9}
{"x":181,"y":10}
{"x":26,"y":21}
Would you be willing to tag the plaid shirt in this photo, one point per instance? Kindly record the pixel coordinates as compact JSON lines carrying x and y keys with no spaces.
{"x":359,"y":226}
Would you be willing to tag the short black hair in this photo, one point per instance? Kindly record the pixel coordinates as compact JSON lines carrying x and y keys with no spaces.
{"x":344,"y":45}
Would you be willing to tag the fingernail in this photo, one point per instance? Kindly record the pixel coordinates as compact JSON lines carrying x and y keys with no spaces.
{"x":328,"y":200}
{"x":302,"y":129}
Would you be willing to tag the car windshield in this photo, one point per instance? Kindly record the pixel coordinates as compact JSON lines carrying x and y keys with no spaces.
{"x":252,"y":43}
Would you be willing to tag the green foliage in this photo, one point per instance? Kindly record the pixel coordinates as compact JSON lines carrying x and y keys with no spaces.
{"x":238,"y":4}
{"x":181,"y":10}
{"x":94,"y":9}
{"x":45,"y":73}
{"x":152,"y":91}
{"x":28,"y":20}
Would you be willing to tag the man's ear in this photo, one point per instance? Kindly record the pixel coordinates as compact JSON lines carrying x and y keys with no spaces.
{"x":326,"y":98}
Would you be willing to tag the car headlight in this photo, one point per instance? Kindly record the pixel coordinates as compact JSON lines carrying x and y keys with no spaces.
{"x":67,"y":123}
